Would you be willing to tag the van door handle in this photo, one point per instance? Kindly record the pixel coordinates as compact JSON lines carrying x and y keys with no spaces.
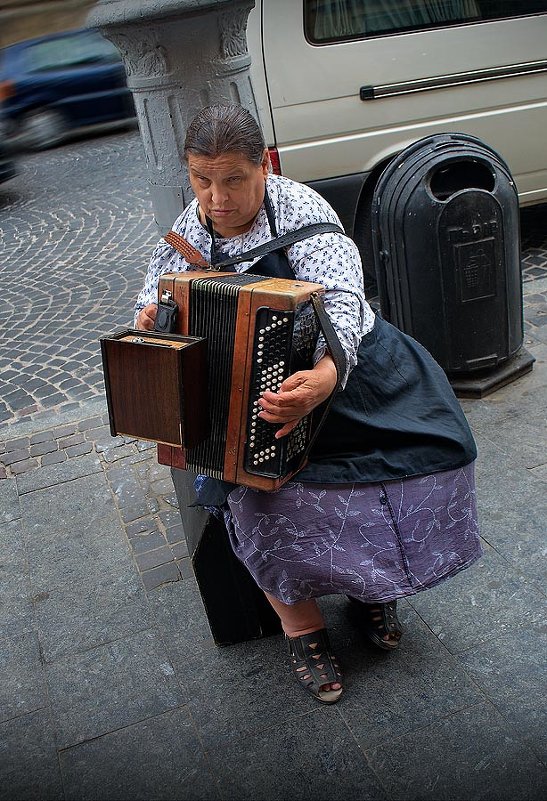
{"x":369,"y":92}
{"x":366,"y":93}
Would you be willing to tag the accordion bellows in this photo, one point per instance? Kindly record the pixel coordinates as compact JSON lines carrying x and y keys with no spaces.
{"x":258,"y":331}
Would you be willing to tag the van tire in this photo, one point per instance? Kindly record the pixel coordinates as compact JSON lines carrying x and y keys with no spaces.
{"x":42,"y":128}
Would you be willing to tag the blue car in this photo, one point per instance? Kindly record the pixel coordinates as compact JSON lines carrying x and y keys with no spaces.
{"x":54,"y":85}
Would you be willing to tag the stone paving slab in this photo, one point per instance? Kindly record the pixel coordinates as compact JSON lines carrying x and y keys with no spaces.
{"x":471,"y":754}
{"x":142,"y":489}
{"x":70,"y":622}
{"x":56,"y":474}
{"x":9,"y":502}
{"x":29,"y":764}
{"x":328,"y":757}
{"x":157,"y":758}
{"x":389,"y":697}
{"x":510,"y":671}
{"x":69,"y":541}
{"x":126,"y":681}
{"x":23,"y":688}
{"x":16,"y":613}
{"x":481,"y":604}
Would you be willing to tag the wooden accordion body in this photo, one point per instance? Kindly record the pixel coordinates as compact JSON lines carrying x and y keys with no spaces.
{"x":156,"y":386}
{"x":259,"y":331}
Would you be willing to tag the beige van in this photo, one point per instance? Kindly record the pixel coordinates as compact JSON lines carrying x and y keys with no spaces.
{"x":342,"y":86}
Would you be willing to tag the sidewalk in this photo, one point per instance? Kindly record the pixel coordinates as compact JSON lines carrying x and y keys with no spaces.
{"x":113,"y":689}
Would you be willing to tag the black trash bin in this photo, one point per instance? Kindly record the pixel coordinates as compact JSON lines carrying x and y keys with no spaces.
{"x":446,"y":233}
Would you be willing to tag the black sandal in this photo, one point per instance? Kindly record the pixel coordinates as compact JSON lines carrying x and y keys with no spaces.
{"x":377,"y":620}
{"x":313,"y":665}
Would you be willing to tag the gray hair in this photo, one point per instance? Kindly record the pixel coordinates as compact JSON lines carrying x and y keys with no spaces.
{"x":220,"y":129}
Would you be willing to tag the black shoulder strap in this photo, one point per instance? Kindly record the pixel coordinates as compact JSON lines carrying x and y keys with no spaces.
{"x":282,"y":242}
{"x":338,"y":356}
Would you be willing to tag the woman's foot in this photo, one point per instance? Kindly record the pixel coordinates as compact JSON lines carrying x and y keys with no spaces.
{"x":379,"y":623}
{"x":314,"y":667}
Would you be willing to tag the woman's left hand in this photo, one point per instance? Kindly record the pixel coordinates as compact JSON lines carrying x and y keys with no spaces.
{"x":298,"y":395}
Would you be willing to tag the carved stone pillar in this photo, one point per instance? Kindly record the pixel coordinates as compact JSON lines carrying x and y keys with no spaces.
{"x":180,"y":55}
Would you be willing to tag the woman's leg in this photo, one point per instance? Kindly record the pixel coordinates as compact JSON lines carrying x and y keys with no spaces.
{"x":379,"y":622}
{"x":298,"y":620}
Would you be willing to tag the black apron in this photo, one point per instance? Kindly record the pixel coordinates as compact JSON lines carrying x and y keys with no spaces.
{"x":397,"y":416}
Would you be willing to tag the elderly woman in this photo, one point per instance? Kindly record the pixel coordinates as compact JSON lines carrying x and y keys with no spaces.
{"x":385,"y":507}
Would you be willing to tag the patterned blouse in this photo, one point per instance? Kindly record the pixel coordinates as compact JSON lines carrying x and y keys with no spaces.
{"x":330,"y":259}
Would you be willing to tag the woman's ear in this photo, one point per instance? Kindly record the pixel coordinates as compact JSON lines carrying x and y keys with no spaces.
{"x":266,"y":163}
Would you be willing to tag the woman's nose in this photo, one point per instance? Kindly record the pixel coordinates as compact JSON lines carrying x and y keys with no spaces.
{"x":218,"y":194}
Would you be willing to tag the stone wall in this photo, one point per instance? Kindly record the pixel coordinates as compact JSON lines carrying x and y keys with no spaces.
{"x":23,"y":19}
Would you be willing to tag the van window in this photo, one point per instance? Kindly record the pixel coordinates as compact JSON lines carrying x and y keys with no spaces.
{"x":329,"y":21}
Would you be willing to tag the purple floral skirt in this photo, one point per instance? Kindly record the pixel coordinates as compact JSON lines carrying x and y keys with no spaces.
{"x":375,"y":542}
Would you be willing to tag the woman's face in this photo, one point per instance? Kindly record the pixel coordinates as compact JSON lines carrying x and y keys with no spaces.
{"x":229,"y":189}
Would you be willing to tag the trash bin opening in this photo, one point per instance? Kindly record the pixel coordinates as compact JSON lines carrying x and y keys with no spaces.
{"x":448,"y":179}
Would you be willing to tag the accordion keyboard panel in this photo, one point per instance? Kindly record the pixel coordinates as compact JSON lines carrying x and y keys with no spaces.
{"x":272,"y":342}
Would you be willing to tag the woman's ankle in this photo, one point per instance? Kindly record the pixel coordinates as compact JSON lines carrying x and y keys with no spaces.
{"x":300,"y":632}
{"x":303,"y":617}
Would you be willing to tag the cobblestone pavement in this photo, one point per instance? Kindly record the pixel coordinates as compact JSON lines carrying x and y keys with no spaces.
{"x":77,"y":231}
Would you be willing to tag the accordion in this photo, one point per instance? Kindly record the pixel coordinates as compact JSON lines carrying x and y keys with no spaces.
{"x":258,"y":331}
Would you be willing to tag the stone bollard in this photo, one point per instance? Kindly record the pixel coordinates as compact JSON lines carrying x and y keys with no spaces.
{"x":181,"y":55}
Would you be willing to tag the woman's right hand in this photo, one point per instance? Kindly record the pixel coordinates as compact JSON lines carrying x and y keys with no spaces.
{"x":147,"y":317}
{"x":298,"y":395}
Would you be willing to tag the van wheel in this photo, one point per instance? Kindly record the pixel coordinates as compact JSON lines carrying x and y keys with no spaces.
{"x":362,"y":235}
{"x":42,"y":128}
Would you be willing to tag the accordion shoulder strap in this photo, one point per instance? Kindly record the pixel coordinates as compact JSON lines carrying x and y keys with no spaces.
{"x":193,"y":256}
{"x":282,"y":241}
{"x":190,"y":253}
{"x":339,"y":358}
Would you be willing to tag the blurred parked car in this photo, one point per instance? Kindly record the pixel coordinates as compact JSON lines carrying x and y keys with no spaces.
{"x":53,"y":85}
{"x":7,"y":165}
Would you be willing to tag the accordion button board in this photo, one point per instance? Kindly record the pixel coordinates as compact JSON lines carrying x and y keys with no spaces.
{"x":264,"y":454}
{"x":259,"y":331}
